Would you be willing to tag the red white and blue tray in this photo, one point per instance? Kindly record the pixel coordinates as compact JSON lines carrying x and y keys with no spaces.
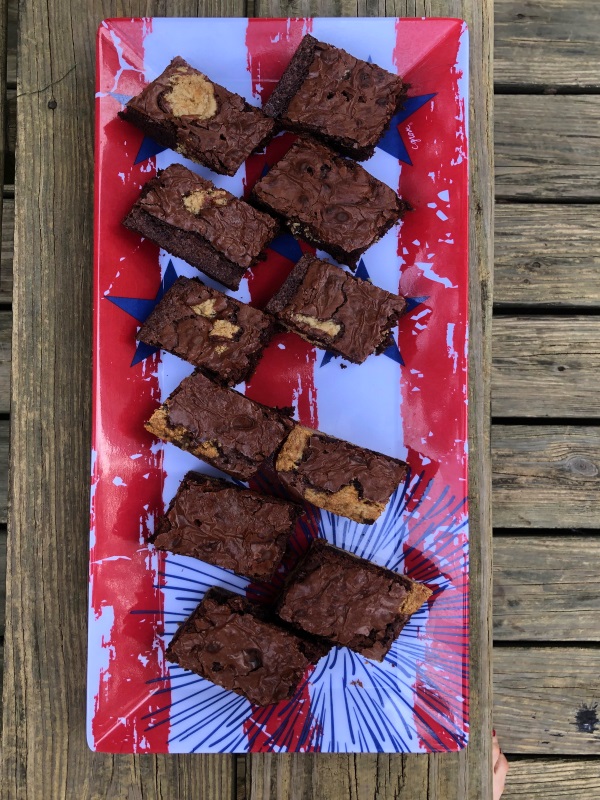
{"x":410,"y":402}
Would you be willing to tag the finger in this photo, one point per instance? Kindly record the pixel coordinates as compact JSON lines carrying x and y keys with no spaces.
{"x":500,"y":772}
{"x":496,"y":752}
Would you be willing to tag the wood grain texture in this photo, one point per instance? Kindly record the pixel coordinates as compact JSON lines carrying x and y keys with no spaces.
{"x":547,"y":255}
{"x":5,"y":347}
{"x":545,"y":476}
{"x":468,"y":774}
{"x":11,"y":43}
{"x":546,"y":147}
{"x":547,"y":43}
{"x":559,"y":779}
{"x":541,"y":695}
{"x":546,"y":367}
{"x":4,"y":434}
{"x":45,"y":754}
{"x":10,"y":136}
{"x":546,"y":588}
{"x":6,"y":250}
{"x":2,"y":580}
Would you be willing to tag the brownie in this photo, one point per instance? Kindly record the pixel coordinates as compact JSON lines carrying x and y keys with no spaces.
{"x":227,"y":526}
{"x":208,"y":227}
{"x":219,"y":335}
{"x":328,"y":200}
{"x":336,"y":475}
{"x":220,"y":426}
{"x":349,"y":601}
{"x":184,"y":110}
{"x":328,"y":93}
{"x":244,"y":648}
{"x":335,"y":310}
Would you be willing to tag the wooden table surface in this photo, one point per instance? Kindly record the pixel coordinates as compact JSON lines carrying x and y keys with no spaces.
{"x":540,"y":353}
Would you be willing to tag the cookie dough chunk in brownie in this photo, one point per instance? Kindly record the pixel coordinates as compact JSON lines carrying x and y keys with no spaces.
{"x":332,"y":309}
{"x":328,"y":200}
{"x":220,"y":426}
{"x":227,"y":526}
{"x":336,"y":475}
{"x":349,"y":601}
{"x":185,"y":111}
{"x":328,"y":93}
{"x":243,"y":648}
{"x":208,"y":227}
{"x":220,"y":335}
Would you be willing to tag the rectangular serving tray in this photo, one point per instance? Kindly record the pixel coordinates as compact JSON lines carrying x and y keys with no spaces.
{"x":410,"y":402}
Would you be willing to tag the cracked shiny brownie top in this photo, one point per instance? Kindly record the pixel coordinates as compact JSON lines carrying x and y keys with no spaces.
{"x":330,"y":94}
{"x":328,"y":200}
{"x":335,"y":310}
{"x":185,"y":111}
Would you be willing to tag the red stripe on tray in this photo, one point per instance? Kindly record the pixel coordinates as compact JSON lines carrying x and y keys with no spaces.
{"x":433,"y":340}
{"x":127,"y":475}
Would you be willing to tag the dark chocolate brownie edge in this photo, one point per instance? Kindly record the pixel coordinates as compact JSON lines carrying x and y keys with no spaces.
{"x":165,"y":135}
{"x":299,"y":228}
{"x":292,"y":79}
{"x":198,"y":252}
{"x":289,"y":287}
{"x":388,"y":635}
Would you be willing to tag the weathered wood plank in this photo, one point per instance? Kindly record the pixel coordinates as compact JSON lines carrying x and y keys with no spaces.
{"x":5,"y":347}
{"x":545,"y":476}
{"x":2,"y":581}
{"x":11,"y":136}
{"x":547,"y":43}
{"x":547,"y":255}
{"x":4,"y":436}
{"x":559,"y":779}
{"x":547,"y":147}
{"x":545,"y":366}
{"x":543,"y":697}
{"x":546,"y":588}
{"x":11,"y":50}
{"x":7,"y":249}
{"x":45,"y":754}
{"x":468,"y":774}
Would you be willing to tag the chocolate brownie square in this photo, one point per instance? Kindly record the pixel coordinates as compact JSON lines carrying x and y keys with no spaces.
{"x":335,"y":310}
{"x":209,"y":228}
{"x":349,"y":601}
{"x":220,"y":426}
{"x":343,"y":100}
{"x":185,"y":111}
{"x":244,"y":648}
{"x":219,"y":335}
{"x":328,"y":200}
{"x":336,"y":475}
{"x":225,"y":525}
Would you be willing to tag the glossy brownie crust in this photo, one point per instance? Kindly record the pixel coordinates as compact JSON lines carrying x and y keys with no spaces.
{"x":219,"y":335}
{"x":329,"y":94}
{"x":185,"y":111}
{"x":243,"y":648}
{"x":225,"y":525}
{"x":335,"y":310}
{"x":209,"y":228}
{"x":220,"y":426}
{"x":328,"y":200}
{"x":349,"y":601}
{"x":336,"y":475}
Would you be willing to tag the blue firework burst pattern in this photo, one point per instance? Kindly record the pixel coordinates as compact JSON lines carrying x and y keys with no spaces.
{"x":412,"y":701}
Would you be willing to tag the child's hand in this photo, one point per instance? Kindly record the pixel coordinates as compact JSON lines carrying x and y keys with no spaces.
{"x":500,"y":768}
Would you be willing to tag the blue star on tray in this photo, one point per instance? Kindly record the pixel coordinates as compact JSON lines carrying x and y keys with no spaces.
{"x":140,"y":309}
